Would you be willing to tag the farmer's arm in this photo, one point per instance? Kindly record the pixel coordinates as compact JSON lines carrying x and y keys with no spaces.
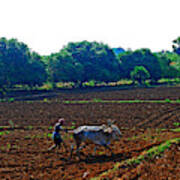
{"x":66,"y":129}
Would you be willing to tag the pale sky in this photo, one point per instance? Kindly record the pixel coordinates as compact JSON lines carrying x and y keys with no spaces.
{"x":48,"y":25}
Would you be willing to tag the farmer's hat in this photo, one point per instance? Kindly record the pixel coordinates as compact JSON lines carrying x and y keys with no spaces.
{"x":61,"y":120}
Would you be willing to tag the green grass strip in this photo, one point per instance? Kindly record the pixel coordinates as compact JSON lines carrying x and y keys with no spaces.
{"x":176,"y":130}
{"x":151,"y":153}
{"x":4,"y":132}
{"x":120,"y":101}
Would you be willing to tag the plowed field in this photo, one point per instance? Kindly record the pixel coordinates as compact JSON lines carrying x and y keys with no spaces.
{"x":26,"y":127}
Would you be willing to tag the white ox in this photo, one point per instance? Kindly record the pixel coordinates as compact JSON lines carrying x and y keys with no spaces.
{"x":100,"y":135}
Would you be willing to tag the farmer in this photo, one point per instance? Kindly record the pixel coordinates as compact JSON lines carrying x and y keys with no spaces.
{"x":56,"y":134}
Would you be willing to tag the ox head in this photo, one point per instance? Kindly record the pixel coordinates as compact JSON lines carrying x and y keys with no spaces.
{"x":116,"y":133}
{"x":113,"y":130}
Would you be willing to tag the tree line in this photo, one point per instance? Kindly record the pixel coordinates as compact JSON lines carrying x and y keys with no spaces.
{"x":80,"y":62}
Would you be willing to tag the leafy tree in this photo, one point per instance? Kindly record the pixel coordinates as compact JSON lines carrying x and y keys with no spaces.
{"x":170,"y":64}
{"x":140,"y":74}
{"x":11,"y":61}
{"x":84,"y":61}
{"x":98,"y":60}
{"x":62,"y":67}
{"x":35,"y":73}
{"x":143,"y":57}
{"x":18,"y":65}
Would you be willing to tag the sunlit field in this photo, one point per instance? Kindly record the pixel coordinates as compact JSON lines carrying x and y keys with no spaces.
{"x":148,"y":149}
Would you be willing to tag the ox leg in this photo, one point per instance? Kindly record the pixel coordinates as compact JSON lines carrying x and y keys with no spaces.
{"x":78,"y":149}
{"x":72,"y":148}
{"x":78,"y":142}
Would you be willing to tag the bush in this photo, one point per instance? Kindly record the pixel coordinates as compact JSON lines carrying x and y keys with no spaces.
{"x":140,"y":74}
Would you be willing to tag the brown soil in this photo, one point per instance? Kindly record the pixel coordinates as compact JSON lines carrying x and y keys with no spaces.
{"x":24,"y":148}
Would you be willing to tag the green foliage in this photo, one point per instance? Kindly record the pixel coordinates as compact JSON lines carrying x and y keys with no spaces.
{"x":176,"y":124}
{"x":176,"y":130}
{"x":4,"y":132}
{"x":83,"y":62}
{"x":45,"y":100}
{"x":143,"y":57}
{"x":97,"y":100}
{"x":167,"y":100}
{"x":29,"y":127}
{"x":47,"y":86}
{"x":49,"y":135}
{"x":170,"y":64}
{"x":11,"y":99}
{"x":3,"y":90}
{"x":120,"y":101}
{"x":169,"y":81}
{"x":100,"y":153}
{"x":90,"y":83}
{"x":72,"y":127}
{"x":140,"y":74}
{"x":50,"y":127}
{"x":18,"y":65}
{"x":36,"y":73}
